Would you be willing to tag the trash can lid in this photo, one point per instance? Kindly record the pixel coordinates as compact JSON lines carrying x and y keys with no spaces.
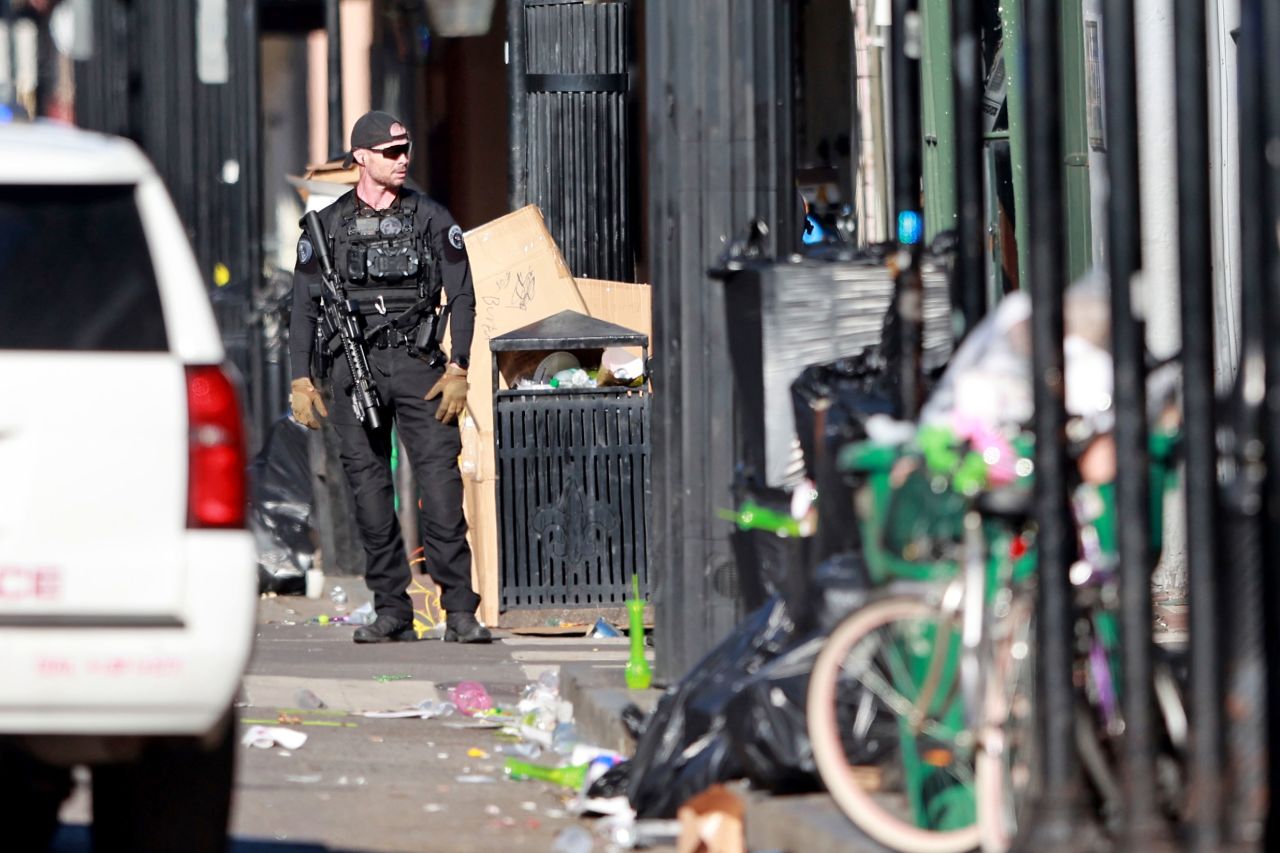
{"x":568,"y":330}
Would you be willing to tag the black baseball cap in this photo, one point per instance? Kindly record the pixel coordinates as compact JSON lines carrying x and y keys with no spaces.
{"x":372,"y":129}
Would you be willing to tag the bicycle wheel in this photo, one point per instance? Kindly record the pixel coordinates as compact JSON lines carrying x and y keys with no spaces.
{"x":886,"y":653}
{"x":1005,"y":764}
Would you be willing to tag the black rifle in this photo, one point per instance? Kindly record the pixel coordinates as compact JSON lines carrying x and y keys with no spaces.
{"x":340,"y":318}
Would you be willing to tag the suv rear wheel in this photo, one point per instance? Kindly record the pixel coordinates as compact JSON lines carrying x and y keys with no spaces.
{"x":175,"y":796}
{"x":31,"y":792}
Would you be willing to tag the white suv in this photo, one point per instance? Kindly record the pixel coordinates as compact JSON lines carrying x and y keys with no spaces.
{"x":127,"y":579}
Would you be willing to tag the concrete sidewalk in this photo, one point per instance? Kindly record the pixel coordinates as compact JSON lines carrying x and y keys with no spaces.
{"x":591,"y":677}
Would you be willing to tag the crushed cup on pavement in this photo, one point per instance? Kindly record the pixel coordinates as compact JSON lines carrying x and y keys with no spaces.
{"x":265,"y":737}
{"x":603,"y":630}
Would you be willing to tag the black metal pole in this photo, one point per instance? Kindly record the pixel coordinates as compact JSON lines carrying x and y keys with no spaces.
{"x":909,"y":295}
{"x":789,"y":219}
{"x":333,"y":29}
{"x":248,"y":47}
{"x":1058,"y":818}
{"x":1143,"y":824}
{"x":968,"y":282}
{"x":1267,"y":18}
{"x":1241,"y":441}
{"x":518,"y":107}
{"x":1196,"y":287}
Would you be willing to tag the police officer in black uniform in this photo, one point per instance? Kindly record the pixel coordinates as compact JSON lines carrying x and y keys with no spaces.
{"x":396,"y":251}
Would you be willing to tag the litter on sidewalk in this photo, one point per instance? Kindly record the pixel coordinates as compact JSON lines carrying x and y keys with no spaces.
{"x":471,"y":698}
{"x":333,"y":724}
{"x":426,"y":710}
{"x":265,"y":737}
{"x":712,"y":822}
{"x":603,"y":630}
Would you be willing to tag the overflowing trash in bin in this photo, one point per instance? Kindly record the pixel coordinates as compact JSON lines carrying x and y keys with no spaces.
{"x":618,"y":367}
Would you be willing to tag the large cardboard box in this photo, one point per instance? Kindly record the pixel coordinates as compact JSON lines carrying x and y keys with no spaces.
{"x":619,"y":302}
{"x":520,"y":277}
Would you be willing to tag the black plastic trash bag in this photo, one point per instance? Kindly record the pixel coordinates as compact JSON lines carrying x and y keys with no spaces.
{"x":612,"y":783}
{"x":831,"y":404}
{"x":740,"y":712}
{"x":281,"y":498}
{"x":684,"y":748}
{"x":765,"y":722}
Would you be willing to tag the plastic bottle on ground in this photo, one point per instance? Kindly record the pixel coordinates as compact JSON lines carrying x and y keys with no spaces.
{"x":638,"y":674}
{"x":573,"y":776}
{"x":363,"y":615}
{"x":564,"y":738}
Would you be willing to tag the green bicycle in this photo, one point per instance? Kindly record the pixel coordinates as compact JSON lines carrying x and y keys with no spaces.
{"x":946,"y":651}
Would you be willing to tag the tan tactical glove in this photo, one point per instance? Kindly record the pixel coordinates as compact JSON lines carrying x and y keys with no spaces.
{"x":306,"y":402}
{"x":453,"y":385}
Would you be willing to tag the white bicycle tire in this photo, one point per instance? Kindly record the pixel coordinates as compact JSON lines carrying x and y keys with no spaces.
{"x":828,"y":751}
{"x":993,"y":787}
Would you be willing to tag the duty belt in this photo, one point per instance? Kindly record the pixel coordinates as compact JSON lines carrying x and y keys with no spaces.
{"x":403,"y":330}
{"x":388,"y":336}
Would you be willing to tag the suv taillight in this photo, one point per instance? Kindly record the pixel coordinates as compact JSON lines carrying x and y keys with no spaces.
{"x":216,"y":485}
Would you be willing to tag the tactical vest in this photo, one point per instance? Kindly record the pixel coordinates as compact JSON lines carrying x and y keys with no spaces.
{"x":386,"y":265}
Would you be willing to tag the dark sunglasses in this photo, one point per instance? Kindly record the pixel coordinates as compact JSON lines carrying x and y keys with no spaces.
{"x":394,"y":152}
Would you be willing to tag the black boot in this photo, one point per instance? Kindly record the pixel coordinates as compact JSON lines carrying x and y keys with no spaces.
{"x":464,"y":628}
{"x":386,"y":629}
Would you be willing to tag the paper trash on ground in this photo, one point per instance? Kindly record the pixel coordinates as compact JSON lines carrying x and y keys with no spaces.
{"x":265,"y":737}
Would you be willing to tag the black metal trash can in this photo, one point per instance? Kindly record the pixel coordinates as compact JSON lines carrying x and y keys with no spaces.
{"x":573,"y":472}
{"x":783,"y":317}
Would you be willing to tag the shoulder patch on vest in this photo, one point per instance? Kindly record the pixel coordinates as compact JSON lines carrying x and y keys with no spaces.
{"x":455,"y":237}
{"x":305,"y":250}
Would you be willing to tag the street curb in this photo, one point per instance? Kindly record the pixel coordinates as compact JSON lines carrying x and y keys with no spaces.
{"x":598,"y":703}
{"x":803,"y":823}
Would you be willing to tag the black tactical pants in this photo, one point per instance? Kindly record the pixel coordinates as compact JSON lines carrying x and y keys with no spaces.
{"x":433,"y":450}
